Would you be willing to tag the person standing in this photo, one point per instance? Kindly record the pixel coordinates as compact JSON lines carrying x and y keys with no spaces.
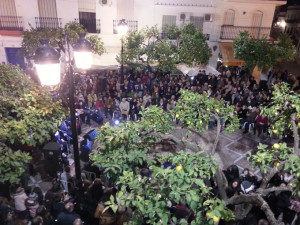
{"x":67,"y":217}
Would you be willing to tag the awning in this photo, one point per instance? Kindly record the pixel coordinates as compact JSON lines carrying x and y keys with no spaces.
{"x":228,"y":56}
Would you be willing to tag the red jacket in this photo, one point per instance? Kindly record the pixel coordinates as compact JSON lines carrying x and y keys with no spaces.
{"x":260,"y":119}
{"x":99,"y":105}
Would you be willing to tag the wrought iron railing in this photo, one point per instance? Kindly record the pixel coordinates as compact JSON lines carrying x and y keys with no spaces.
{"x":48,"y":22}
{"x":132,"y":25}
{"x":91,"y":25}
{"x":11,"y":23}
{"x":229,"y":32}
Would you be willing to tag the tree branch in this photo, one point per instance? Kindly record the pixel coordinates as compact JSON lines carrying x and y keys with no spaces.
{"x":242,"y":210}
{"x":218,"y":132}
{"x":265,"y":192}
{"x":222,"y":184}
{"x":296,"y":135}
{"x":267,"y":177}
{"x":255,"y":199}
{"x":189,"y":145}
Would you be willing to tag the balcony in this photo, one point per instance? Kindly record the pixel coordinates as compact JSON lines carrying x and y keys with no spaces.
{"x":48,"y":22}
{"x":14,"y":23}
{"x":132,"y":25}
{"x":229,"y":32}
{"x":91,"y":25}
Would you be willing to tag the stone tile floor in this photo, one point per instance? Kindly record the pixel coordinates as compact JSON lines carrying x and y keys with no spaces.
{"x":234,"y":150}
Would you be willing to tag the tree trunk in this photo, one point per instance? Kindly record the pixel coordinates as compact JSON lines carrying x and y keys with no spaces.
{"x":256,"y":73}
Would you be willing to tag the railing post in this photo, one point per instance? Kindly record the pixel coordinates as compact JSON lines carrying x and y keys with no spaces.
{"x":259,"y":30}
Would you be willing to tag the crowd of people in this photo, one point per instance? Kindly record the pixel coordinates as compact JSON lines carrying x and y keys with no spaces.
{"x":106,"y":94}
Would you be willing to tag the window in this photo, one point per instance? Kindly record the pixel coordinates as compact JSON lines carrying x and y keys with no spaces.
{"x":168,"y":20}
{"x":197,"y":21}
{"x":8,"y":8}
{"x":257,"y":19}
{"x":47,"y":8}
{"x":229,"y":17}
{"x":88,"y":21}
{"x":48,"y":14}
{"x":87,"y":15}
{"x":8,"y":16}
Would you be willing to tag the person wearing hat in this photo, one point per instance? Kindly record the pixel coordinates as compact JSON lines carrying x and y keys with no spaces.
{"x":32,"y":204}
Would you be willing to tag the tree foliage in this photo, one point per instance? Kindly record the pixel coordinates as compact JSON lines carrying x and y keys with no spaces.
{"x":31,"y":38}
{"x":151,"y":196}
{"x":12,"y":164}
{"x":260,"y":52}
{"x":180,"y":45}
{"x":123,"y":150}
{"x":28,"y":116}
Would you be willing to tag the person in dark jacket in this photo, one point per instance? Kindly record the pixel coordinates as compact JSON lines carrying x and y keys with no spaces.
{"x":232,"y":173}
{"x":67,"y":217}
{"x":233,"y":189}
{"x":283,"y":204}
{"x":94,"y":196}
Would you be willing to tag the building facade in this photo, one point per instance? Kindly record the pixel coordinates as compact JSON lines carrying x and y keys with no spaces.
{"x":292,"y":26}
{"x":221,"y":20}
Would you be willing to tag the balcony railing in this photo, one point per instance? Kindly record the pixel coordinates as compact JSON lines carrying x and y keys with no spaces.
{"x":132,"y":25}
{"x":91,"y":25}
{"x":48,"y":22}
{"x":11,"y":23}
{"x":229,"y":32}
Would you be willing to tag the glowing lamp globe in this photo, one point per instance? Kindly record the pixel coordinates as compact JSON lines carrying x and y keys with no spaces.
{"x":47,"y":63}
{"x":122,"y":27}
{"x":283,"y":24}
{"x":83,"y":52}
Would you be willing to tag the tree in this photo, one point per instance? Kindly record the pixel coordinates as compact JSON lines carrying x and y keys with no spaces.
{"x":179,"y":45}
{"x":28,"y":117}
{"x":124,"y":149}
{"x":190,"y":44}
{"x":260,"y":53}
{"x":12,"y":164}
{"x":28,"y":114}
{"x":124,"y":152}
{"x":31,"y":38}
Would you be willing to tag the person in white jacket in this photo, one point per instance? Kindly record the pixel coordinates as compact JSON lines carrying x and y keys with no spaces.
{"x":19,"y":197}
{"x":124,"y":108}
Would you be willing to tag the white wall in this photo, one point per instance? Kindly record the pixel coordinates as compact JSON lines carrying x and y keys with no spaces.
{"x":67,"y":10}
{"x":147,"y":13}
{"x":244,"y":11}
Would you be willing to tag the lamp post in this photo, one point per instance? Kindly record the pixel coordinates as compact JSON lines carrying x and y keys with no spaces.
{"x":47,"y":61}
{"x":122,"y":29}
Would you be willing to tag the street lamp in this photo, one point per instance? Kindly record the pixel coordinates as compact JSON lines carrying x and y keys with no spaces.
{"x":47,"y":61}
{"x":283,"y":24}
{"x":122,"y":29}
